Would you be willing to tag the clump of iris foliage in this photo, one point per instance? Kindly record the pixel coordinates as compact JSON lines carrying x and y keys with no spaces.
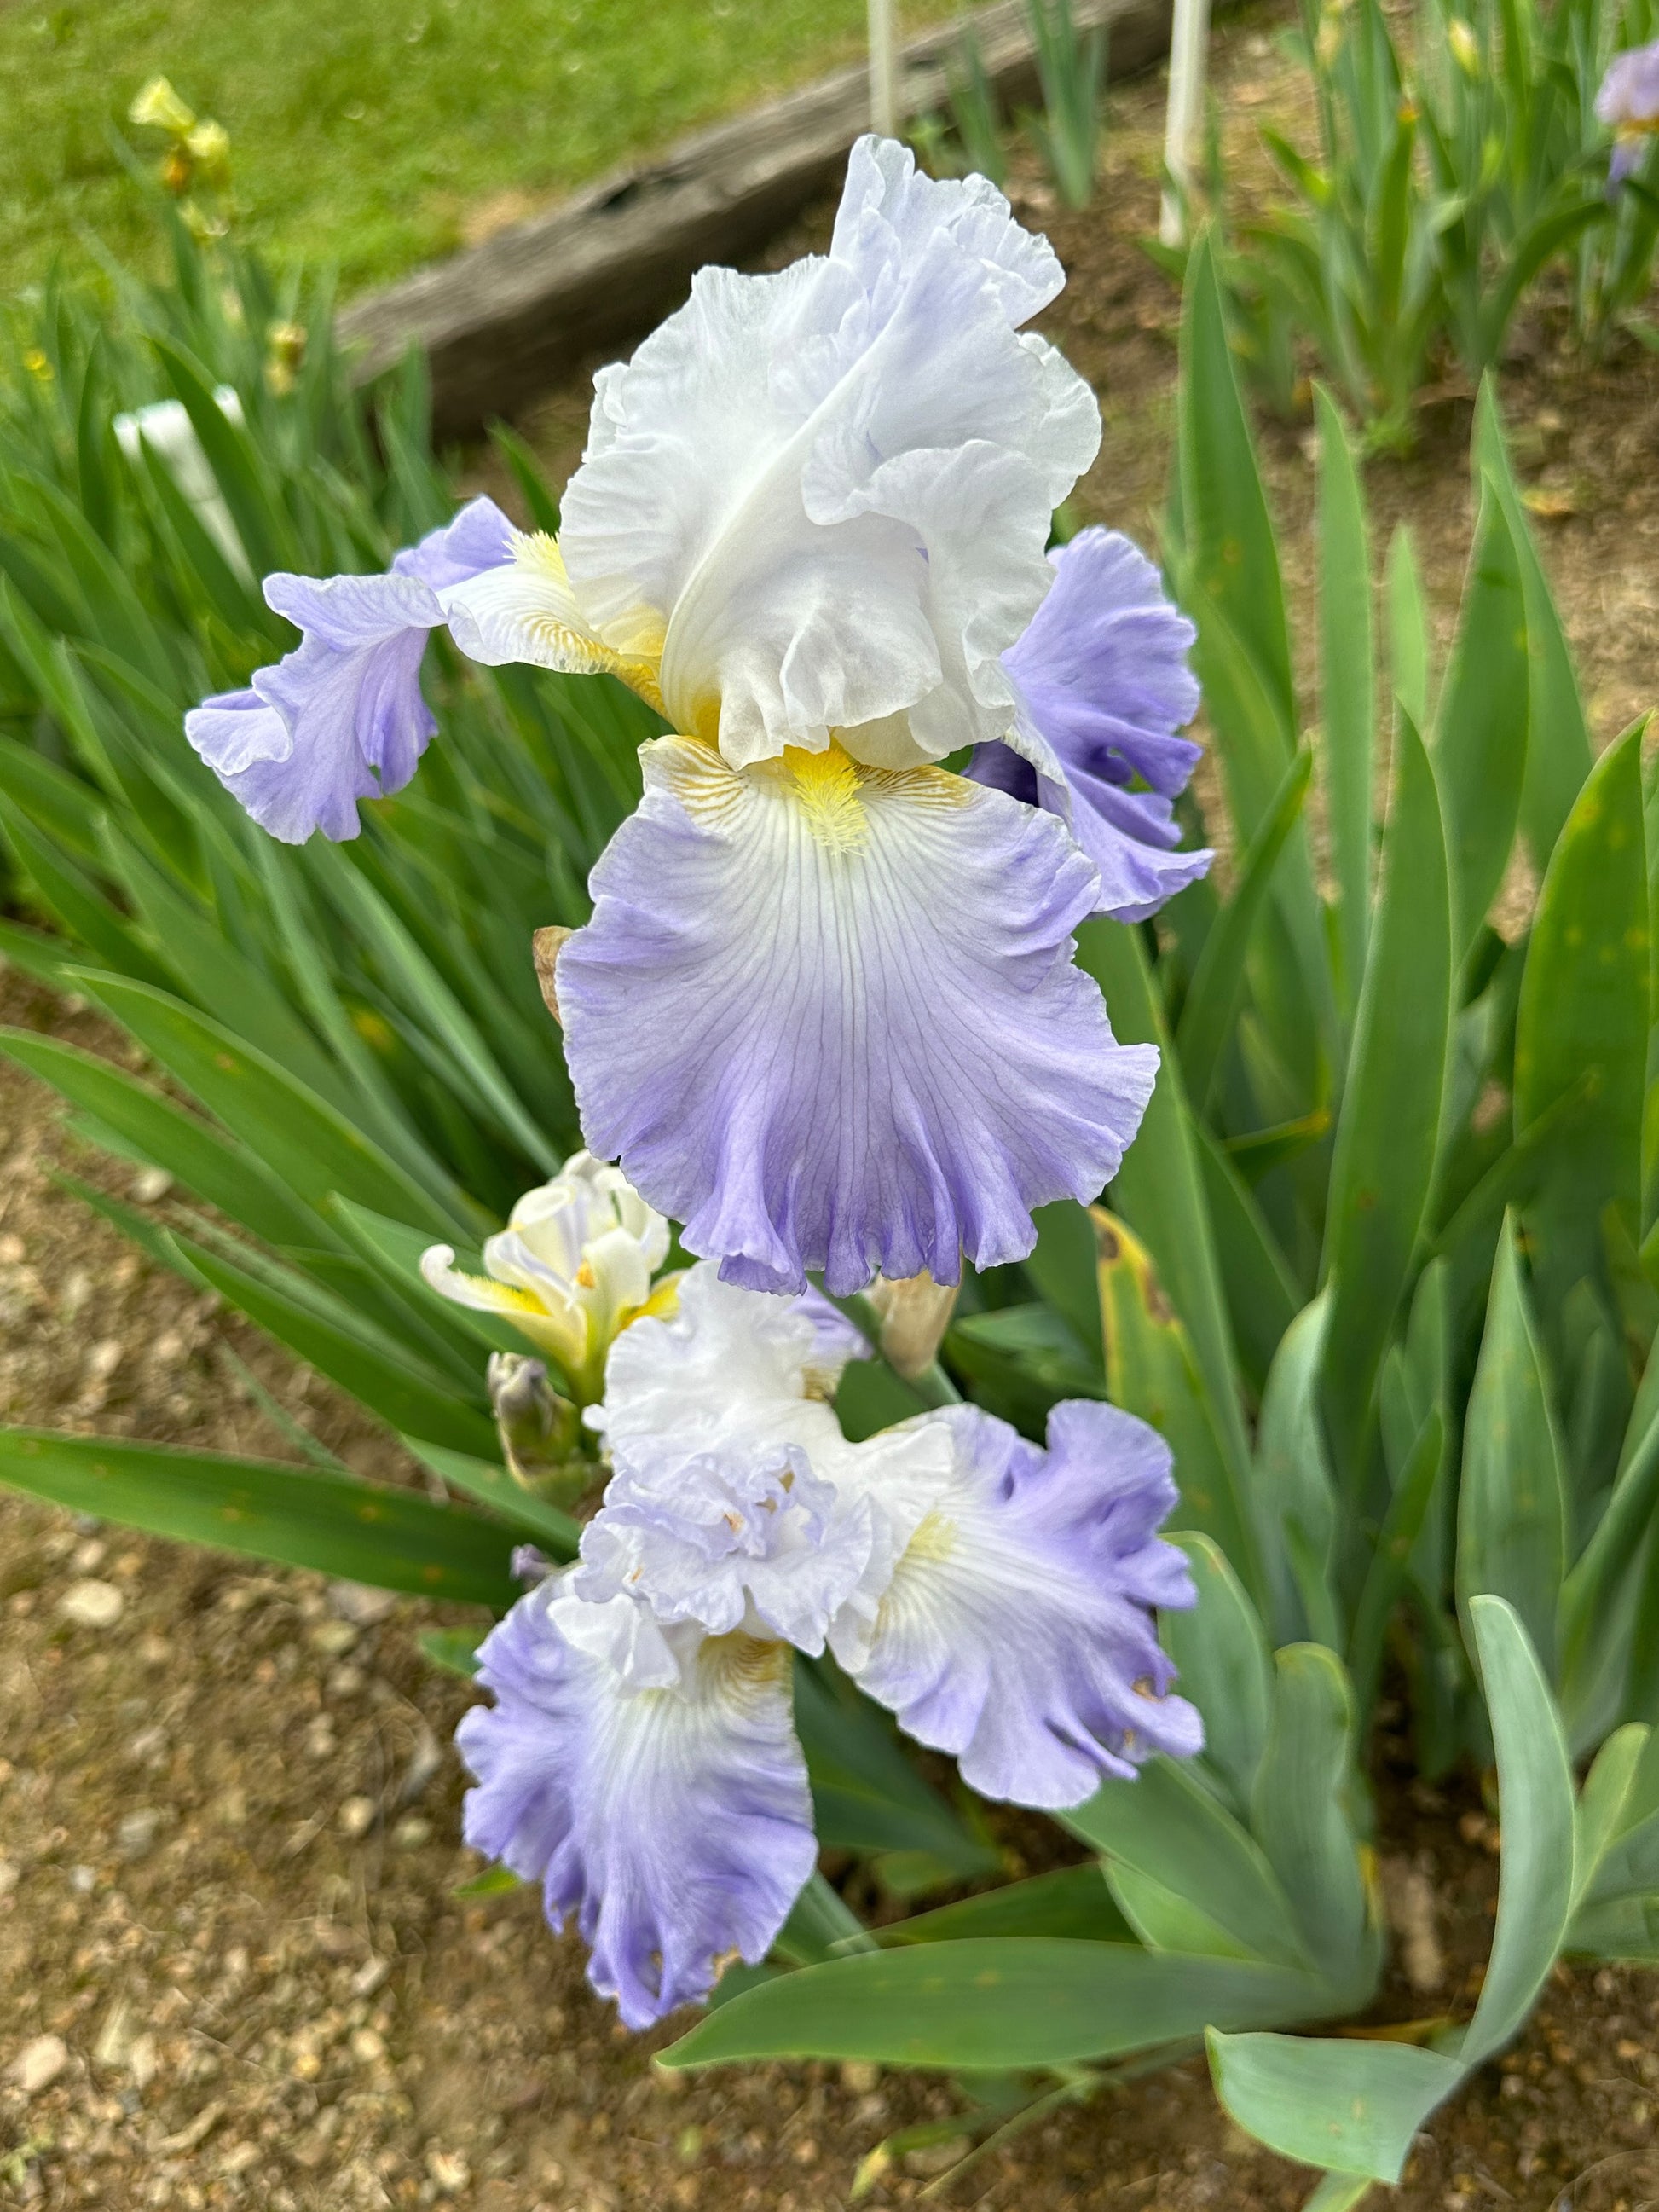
{"x":1071,"y":68}
{"x":1450,"y":174}
{"x":1380,"y":1264}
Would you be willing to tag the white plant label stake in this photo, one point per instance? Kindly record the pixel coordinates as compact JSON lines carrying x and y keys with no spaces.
{"x":884,"y":68}
{"x":1189,"y":38}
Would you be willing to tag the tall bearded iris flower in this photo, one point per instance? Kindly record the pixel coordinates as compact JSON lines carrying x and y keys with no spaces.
{"x":826,"y":1013}
{"x":1628,"y":103}
{"x":639,"y":1761}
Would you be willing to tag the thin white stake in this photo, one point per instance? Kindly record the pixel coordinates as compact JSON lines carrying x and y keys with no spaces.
{"x":884,"y":68}
{"x":1189,"y":39}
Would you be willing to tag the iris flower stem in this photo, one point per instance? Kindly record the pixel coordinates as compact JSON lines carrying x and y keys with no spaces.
{"x":932,"y":1386}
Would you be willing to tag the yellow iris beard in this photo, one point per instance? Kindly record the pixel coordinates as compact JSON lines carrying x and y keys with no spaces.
{"x":935,"y":1538}
{"x":828,"y":785}
{"x":839,"y":800}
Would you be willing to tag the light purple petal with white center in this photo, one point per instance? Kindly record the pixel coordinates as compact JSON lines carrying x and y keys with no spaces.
{"x":674,"y":1825}
{"x":344,"y":719}
{"x":1628,"y":103}
{"x":1017,"y":1630}
{"x":1104,"y":688}
{"x":479,"y":538}
{"x":744,"y":1537}
{"x":828,"y":1018}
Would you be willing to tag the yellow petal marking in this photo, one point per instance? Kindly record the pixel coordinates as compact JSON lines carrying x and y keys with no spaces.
{"x":537,"y":551}
{"x":827,"y":786}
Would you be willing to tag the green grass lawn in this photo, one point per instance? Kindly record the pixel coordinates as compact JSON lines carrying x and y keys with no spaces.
{"x":370,"y":133}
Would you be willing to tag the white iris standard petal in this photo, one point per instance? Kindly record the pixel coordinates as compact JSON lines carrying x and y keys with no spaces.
{"x":724,"y":1367}
{"x":832,"y":486}
{"x":829,"y":1018}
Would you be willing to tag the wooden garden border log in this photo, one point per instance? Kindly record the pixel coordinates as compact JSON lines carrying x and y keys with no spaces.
{"x":501,"y":321}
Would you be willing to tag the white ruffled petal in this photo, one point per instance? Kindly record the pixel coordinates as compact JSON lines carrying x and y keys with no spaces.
{"x":832,"y":486}
{"x":728,"y":1366}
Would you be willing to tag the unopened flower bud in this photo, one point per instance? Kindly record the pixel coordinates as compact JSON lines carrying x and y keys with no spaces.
{"x":285,"y":345}
{"x":158,"y":107}
{"x":176,"y":172}
{"x":206,"y":229}
{"x":545,"y":946}
{"x":540,"y":1430}
{"x":1465,"y":47}
{"x":915,"y":1316}
{"x":209,"y":148}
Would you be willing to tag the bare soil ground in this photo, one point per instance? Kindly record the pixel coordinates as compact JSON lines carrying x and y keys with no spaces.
{"x":233,"y":1968}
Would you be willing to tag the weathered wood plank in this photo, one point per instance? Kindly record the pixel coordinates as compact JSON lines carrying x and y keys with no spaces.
{"x":501,"y":321}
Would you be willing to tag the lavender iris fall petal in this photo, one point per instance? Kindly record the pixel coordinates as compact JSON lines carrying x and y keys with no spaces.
{"x":342,"y":718}
{"x":828,"y":1017}
{"x":1017,"y":1630}
{"x":672,"y":1824}
{"x":1104,"y":689}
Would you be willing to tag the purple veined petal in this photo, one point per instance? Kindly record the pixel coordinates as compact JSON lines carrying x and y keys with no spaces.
{"x":339,"y":719}
{"x":357,"y":725}
{"x":1104,"y":689}
{"x":352,"y":614}
{"x":829,"y":1018}
{"x":342,"y":718}
{"x":1017,"y":1630}
{"x":235,"y":730}
{"x":289,"y":789}
{"x":479,"y":538}
{"x":673,"y":1825}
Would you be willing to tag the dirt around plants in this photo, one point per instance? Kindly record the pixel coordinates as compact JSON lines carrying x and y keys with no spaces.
{"x":235,"y":1970}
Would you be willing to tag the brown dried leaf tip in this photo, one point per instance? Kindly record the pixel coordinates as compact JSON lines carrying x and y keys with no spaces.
{"x":544,"y":945}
